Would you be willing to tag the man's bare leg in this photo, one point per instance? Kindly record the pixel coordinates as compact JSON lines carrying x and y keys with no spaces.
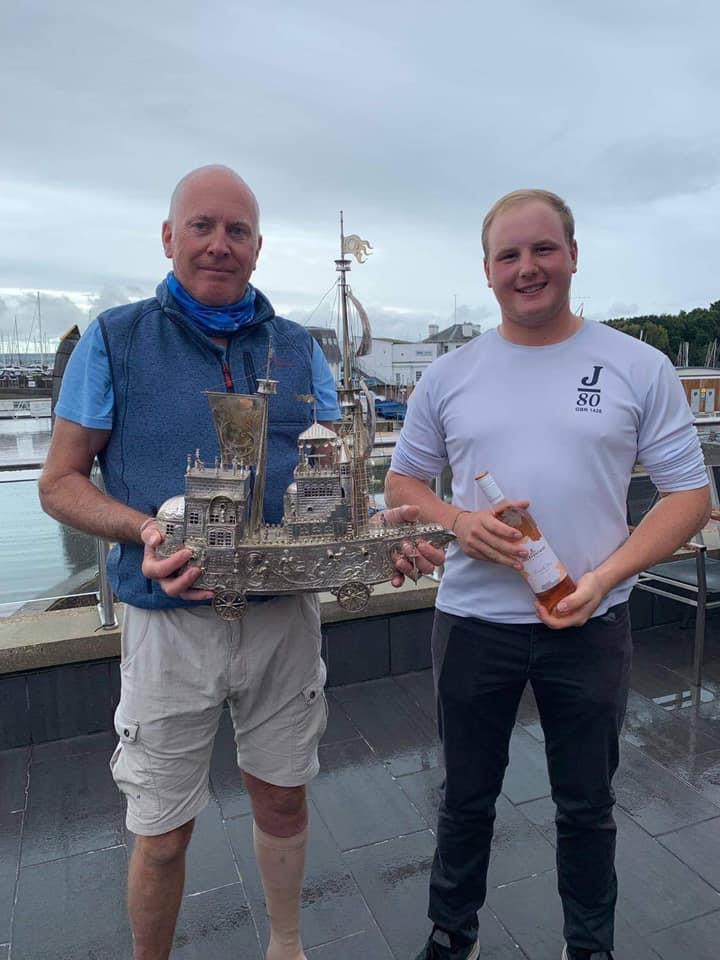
{"x":155,"y":886}
{"x":280,"y":838}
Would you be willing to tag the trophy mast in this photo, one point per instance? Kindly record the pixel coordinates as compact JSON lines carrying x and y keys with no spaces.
{"x":266,"y":388}
{"x":352,"y":428}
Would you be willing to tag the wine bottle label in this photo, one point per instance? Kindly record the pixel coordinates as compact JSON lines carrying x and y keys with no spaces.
{"x":542,"y":569}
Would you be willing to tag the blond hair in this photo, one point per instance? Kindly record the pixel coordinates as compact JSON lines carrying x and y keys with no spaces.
{"x":525,"y":196}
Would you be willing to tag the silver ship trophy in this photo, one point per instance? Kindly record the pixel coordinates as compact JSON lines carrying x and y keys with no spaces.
{"x":326,"y":540}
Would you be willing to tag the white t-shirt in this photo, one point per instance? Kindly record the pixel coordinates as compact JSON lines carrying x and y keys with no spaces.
{"x":561,"y":426}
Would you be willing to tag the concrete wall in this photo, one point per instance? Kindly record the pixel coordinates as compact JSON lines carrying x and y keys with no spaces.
{"x":60,"y":675}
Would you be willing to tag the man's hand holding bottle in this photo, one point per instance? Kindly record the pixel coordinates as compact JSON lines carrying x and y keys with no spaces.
{"x":508,"y":534}
{"x":483,"y":536}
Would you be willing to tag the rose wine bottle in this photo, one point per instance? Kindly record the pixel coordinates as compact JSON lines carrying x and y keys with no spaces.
{"x":545,"y":575}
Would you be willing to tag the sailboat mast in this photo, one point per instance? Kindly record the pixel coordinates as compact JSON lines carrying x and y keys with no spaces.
{"x":16,"y":333}
{"x":40,"y":332}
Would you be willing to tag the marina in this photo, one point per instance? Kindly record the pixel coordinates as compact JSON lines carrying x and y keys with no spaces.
{"x":25,"y":389}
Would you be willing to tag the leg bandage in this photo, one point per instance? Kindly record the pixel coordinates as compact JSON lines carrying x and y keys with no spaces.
{"x":281,"y":861}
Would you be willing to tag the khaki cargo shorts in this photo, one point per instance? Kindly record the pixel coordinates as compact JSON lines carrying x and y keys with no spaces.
{"x":179,"y":667}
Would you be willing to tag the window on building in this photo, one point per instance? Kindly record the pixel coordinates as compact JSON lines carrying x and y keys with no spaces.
{"x":222,"y":510}
{"x":220,"y":538}
{"x":418,"y":374}
{"x":318,"y":490}
{"x":169,"y":529}
{"x":194,"y":517}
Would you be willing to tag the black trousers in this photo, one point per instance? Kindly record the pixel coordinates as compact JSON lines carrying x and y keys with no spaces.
{"x":580,"y":679}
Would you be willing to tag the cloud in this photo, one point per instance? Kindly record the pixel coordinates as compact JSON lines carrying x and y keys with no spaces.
{"x":30,"y":327}
{"x":399,"y":323}
{"x":113,"y":295}
{"x":620,"y":309}
{"x":646,"y":170}
{"x":411,"y":117}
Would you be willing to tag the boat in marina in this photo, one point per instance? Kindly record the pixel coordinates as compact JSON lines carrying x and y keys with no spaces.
{"x":25,"y":390}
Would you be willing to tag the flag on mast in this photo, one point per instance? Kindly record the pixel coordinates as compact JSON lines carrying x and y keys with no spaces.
{"x":356,"y":247}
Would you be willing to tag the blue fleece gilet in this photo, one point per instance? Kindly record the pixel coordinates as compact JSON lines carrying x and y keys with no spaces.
{"x":161,"y":364}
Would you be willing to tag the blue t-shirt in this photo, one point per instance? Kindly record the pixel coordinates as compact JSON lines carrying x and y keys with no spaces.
{"x":86,"y":396}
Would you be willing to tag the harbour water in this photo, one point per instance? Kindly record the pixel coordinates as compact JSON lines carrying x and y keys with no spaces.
{"x":24,"y":440}
{"x":38,"y":556}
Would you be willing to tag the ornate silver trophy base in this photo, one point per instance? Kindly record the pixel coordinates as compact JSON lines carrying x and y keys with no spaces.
{"x":346,"y":568}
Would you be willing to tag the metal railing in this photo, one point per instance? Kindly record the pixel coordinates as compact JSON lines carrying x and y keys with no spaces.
{"x":106,"y":601}
{"x":24,"y":527}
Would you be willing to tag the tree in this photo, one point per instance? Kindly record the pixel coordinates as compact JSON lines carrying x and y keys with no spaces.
{"x":699,"y":327}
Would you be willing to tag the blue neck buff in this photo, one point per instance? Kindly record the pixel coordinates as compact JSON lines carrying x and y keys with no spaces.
{"x":214,"y":320}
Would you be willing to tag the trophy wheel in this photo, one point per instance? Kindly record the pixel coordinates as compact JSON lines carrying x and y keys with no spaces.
{"x":353,"y":596}
{"x":229,"y":604}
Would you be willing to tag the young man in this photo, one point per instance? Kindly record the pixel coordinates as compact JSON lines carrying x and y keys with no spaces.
{"x":133,"y":394}
{"x":558,"y":409}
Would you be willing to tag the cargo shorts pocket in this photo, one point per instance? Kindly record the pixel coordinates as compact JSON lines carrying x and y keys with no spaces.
{"x":311,"y":723}
{"x":132,"y":770}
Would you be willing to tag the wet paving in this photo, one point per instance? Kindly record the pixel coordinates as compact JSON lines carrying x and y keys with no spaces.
{"x":64,"y":849}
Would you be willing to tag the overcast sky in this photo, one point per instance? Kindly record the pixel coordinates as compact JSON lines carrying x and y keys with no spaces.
{"x":413,"y":117}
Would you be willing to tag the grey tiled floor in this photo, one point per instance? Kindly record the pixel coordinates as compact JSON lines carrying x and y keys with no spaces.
{"x":63,"y":846}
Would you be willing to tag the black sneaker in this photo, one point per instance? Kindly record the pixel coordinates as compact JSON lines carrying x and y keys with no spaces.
{"x":442,"y":945}
{"x":569,"y":954}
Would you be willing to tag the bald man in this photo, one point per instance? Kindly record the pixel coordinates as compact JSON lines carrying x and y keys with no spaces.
{"x":132,"y":395}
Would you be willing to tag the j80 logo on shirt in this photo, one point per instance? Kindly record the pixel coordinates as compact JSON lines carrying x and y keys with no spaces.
{"x":588,"y":393}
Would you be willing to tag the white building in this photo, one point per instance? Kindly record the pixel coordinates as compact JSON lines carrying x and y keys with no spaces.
{"x":400,"y":363}
{"x":451,"y":337}
{"x":396,"y":362}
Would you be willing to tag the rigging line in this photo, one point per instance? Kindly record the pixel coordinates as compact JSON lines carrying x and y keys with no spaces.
{"x":32,"y":327}
{"x":335,"y":316}
{"x":324,"y":296}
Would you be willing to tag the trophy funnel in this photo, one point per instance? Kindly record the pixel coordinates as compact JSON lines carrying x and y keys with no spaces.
{"x":239,"y":424}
